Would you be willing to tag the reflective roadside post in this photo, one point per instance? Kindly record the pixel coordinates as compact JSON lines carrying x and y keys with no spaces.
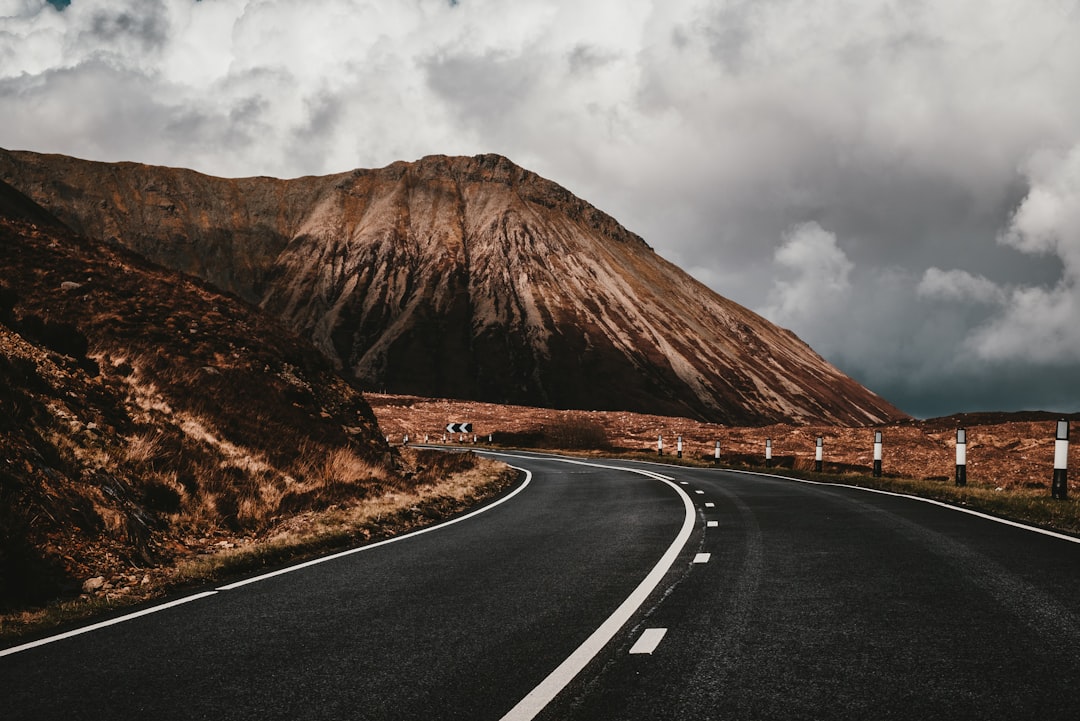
{"x":877,"y":454}
{"x":961,"y":456}
{"x":716,"y":453}
{"x":678,"y":447}
{"x":660,"y":445}
{"x":768,"y":452}
{"x":1060,"y":487}
{"x":819,"y":461}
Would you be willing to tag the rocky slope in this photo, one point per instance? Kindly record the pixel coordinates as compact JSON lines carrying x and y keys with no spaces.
{"x":142,"y":413}
{"x":461,"y":278}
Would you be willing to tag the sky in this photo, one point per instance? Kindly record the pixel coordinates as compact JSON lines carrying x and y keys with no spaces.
{"x":896,"y":182}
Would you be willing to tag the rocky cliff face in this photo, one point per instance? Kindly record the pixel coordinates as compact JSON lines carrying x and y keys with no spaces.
{"x":460,"y":277}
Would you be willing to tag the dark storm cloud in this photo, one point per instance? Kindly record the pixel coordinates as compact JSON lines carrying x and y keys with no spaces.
{"x":891,"y":180}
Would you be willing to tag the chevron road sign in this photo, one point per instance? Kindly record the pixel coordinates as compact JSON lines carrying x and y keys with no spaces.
{"x":459,"y":427}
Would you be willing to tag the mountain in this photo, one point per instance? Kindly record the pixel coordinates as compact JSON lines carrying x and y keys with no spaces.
{"x":463,"y":278}
{"x":140,"y":407}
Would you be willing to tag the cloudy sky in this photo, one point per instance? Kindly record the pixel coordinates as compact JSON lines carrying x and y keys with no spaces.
{"x":897,"y":182}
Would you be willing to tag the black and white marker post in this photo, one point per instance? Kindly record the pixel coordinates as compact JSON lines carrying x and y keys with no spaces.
{"x":716,"y":453}
{"x":961,"y":456}
{"x":768,"y":452}
{"x":678,"y":447}
{"x":1060,"y":488}
{"x":660,"y":445}
{"x":819,"y":462}
{"x":877,"y":454}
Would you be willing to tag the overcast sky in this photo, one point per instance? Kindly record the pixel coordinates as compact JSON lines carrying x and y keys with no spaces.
{"x":897,"y":182}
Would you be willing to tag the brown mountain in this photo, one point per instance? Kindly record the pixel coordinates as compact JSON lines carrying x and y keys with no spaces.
{"x":460,"y":277}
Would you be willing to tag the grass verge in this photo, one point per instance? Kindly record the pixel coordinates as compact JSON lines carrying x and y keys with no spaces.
{"x":443,"y":486}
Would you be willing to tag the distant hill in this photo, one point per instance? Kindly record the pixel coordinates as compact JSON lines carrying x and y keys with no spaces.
{"x":462,"y":278}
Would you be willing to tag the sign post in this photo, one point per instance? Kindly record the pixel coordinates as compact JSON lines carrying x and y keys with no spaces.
{"x":961,"y":456}
{"x":1060,"y":487}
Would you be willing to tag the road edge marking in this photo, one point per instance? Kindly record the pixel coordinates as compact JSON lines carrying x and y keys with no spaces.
{"x":951,"y":507}
{"x":265,"y":576}
{"x":386,"y":542}
{"x":104,"y":624}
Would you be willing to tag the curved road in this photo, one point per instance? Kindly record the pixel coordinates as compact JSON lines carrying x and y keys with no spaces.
{"x":786,"y":600}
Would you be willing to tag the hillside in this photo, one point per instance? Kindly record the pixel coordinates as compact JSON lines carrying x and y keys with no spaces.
{"x":143,"y":414}
{"x":460,"y":277}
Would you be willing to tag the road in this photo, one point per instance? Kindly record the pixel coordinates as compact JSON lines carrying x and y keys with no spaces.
{"x":802,"y":601}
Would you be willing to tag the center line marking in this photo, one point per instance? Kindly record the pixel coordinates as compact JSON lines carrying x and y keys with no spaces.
{"x":649,"y":640}
{"x":700,"y":492}
{"x":713,"y":524}
{"x":702,"y":558}
{"x":710,"y":504}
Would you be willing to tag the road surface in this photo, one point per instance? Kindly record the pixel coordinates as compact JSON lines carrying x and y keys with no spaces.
{"x":741,"y":597}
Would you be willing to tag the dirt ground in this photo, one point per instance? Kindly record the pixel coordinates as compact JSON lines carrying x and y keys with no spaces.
{"x":1004,"y":450}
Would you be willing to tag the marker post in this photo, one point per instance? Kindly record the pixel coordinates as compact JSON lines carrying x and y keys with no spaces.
{"x":716,"y":453}
{"x":1060,"y":487}
{"x":819,"y":462}
{"x":768,"y":452}
{"x":961,"y":456}
{"x":678,"y":446}
{"x":660,"y":445}
{"x":877,"y":454}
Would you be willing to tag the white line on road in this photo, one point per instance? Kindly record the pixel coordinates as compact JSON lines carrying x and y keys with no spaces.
{"x":649,"y":640}
{"x":712,"y":524}
{"x":395,"y":539}
{"x":104,"y":624}
{"x":556,"y":681}
{"x":710,"y":504}
{"x":702,"y":558}
{"x":1004,"y":521}
{"x":700,"y":492}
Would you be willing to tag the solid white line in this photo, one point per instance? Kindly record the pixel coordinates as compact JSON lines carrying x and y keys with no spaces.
{"x":970,"y":512}
{"x":395,"y":539}
{"x":649,"y":640}
{"x":104,"y":624}
{"x":556,"y":681}
{"x":702,"y":558}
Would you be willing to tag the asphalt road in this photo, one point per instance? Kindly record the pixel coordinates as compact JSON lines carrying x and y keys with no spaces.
{"x":814,"y":602}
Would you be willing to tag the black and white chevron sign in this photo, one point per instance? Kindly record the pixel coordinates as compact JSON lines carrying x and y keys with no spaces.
{"x":459,"y":427}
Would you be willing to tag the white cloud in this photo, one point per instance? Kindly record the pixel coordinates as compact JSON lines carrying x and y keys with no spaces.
{"x":1042,"y":323}
{"x":959,"y":285}
{"x":817,"y":285}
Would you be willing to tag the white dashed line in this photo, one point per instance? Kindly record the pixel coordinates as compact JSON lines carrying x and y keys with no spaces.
{"x":702,"y":558}
{"x":700,"y":493}
{"x":710,"y":504}
{"x":649,"y":640}
{"x":712,"y":524}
